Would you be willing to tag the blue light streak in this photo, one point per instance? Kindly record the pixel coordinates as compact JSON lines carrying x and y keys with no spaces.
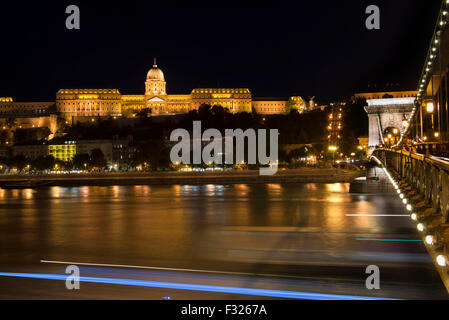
{"x":195,"y":287}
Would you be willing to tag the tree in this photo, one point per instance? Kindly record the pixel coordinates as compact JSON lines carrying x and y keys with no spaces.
{"x":144,"y":113}
{"x":303,"y":152}
{"x":11,"y":123}
{"x":18,"y":161}
{"x":61,"y":124}
{"x":43,"y":163}
{"x":154,"y":153}
{"x":81,"y":161}
{"x":355,"y":125}
{"x":97,"y":159}
{"x":64,"y":165}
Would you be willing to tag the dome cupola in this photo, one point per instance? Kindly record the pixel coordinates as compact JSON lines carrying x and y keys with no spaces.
{"x":155,"y":83}
{"x":155,"y":73}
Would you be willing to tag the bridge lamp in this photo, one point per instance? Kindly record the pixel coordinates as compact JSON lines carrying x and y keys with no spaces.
{"x":420,"y":227}
{"x":430,"y":240}
{"x":401,"y":196}
{"x":430,"y":107}
{"x":404,"y":123}
{"x":442,"y":261}
{"x":404,"y":201}
{"x":399,"y":191}
{"x":414,"y":217}
{"x":409,"y":207}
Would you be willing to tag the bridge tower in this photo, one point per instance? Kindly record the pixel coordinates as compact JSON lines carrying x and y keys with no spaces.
{"x":385,"y":116}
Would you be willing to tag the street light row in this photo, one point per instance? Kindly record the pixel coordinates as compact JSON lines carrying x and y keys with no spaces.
{"x":429,"y":64}
{"x":430,"y":239}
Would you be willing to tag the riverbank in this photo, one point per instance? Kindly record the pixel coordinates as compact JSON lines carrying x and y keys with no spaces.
{"x":306,"y":175}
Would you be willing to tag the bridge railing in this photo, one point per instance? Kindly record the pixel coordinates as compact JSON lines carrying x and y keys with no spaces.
{"x":428,"y":175}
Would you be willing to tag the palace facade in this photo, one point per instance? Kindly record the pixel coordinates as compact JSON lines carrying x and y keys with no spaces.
{"x":80,"y":104}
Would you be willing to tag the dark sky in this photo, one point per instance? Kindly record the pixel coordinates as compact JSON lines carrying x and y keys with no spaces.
{"x":303,"y":47}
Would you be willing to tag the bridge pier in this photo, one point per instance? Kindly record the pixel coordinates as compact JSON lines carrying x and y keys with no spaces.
{"x":385,"y":114}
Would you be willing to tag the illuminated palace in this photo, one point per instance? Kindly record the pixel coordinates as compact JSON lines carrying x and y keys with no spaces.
{"x":79,"y":104}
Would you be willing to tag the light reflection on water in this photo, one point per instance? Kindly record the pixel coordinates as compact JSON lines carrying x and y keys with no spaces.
{"x":178,"y":222}
{"x":317,"y":204}
{"x":218,"y":227}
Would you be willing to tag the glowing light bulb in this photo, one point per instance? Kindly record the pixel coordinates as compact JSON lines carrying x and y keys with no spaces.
{"x":442,"y":261}
{"x":420,"y":227}
{"x":430,"y":240}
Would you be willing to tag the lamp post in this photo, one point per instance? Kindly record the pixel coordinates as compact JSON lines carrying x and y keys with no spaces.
{"x":430,"y":109}
{"x":333,"y":149}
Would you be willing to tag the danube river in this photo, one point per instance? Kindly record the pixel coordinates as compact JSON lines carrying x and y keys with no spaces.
{"x":301,"y":238}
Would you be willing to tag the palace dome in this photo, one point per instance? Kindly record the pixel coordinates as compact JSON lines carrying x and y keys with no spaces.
{"x":155,"y":73}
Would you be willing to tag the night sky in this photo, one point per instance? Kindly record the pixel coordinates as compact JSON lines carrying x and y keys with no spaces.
{"x":307,"y":48}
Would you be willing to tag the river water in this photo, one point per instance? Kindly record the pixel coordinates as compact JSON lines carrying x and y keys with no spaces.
{"x":300,"y":237}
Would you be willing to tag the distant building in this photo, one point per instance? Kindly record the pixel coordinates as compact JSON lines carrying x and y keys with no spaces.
{"x":63,"y":152}
{"x":84,"y":104}
{"x":335,"y":124}
{"x":25,"y":115}
{"x":31,"y":152}
{"x":9,"y":108}
{"x":5,"y":152}
{"x":386,"y":94}
{"x":116,"y":151}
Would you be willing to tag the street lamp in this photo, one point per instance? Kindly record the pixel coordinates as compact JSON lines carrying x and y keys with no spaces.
{"x":333,"y":149}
